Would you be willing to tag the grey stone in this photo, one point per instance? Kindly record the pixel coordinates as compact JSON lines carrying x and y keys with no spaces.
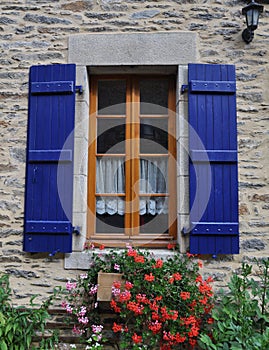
{"x":37,"y":57}
{"x":173,"y":14}
{"x":22,"y":273}
{"x":171,"y":48}
{"x":18,"y":154}
{"x":113,"y":5}
{"x":259,"y":224}
{"x":198,"y":26}
{"x":253,"y":244}
{"x":252,"y":96}
{"x":251,"y":185}
{"x":10,"y":232}
{"x":101,"y":16}
{"x":10,"y":206}
{"x":246,"y":77}
{"x":4,"y":259}
{"x":12,"y":243}
{"x":44,"y":19}
{"x":6,"y":20}
{"x":211,"y":52}
{"x":145,"y":14}
{"x":24,"y":30}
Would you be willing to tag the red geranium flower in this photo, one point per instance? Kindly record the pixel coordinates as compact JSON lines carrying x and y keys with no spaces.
{"x":137,"y":338}
{"x":185,"y":295}
{"x":149,"y":278}
{"x":116,"y":327}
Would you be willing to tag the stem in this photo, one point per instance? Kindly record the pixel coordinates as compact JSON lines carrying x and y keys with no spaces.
{"x":264,"y":287}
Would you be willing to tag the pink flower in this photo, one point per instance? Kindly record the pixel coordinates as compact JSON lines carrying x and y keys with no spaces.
{"x":115,"y":291}
{"x":77,"y":330}
{"x":82,"y":311}
{"x":117,"y":267}
{"x":69,"y":309}
{"x":83,"y":320}
{"x":97,"y":329}
{"x":93,"y":289}
{"x":71,"y":285}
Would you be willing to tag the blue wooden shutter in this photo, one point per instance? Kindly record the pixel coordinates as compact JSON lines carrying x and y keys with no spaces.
{"x":49,"y":168}
{"x":213,"y":160}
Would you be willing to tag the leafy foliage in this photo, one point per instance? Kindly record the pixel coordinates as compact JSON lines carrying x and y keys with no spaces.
{"x":19,"y":325}
{"x":242,"y":316}
{"x":158,"y":305}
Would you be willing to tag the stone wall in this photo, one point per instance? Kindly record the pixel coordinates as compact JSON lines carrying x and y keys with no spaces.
{"x":37,"y":31}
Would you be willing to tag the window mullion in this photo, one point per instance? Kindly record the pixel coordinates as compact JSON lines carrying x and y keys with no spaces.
{"x":91,"y":222}
{"x":128,"y":164}
{"x":135,"y":156}
{"x":172,"y":159}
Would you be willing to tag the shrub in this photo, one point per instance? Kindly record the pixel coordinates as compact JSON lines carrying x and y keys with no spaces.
{"x":160,"y":304}
{"x":18,"y":325}
{"x":242,"y":315}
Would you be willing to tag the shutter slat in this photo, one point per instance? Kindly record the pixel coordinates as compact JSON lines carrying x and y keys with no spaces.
{"x":213,"y":160}
{"x":49,"y":171}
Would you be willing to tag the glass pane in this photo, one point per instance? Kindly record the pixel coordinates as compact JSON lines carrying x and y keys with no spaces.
{"x":111,"y":135}
{"x":111,"y":97}
{"x":109,"y":223}
{"x":153,"y":135}
{"x":110,"y":175}
{"x":154,"y":223}
{"x":153,"y":176}
{"x":153,"y":96}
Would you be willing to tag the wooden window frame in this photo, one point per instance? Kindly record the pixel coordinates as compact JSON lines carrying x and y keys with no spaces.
{"x":132,"y":172}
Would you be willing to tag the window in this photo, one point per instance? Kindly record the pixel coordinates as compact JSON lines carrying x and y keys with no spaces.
{"x":132,"y":156}
{"x":59,"y":177}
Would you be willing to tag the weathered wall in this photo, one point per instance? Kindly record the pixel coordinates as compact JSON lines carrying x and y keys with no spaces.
{"x":36,"y":31}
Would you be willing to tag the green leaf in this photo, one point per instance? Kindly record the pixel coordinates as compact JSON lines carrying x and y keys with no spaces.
{"x":3,"y":345}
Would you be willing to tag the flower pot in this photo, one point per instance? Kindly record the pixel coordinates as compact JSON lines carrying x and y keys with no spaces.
{"x":105,"y":282}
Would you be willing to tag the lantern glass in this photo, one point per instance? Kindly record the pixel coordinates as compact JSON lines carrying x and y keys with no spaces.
{"x":252,"y":18}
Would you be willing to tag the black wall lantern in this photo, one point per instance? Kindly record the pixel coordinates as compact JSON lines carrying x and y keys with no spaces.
{"x":252,"y":12}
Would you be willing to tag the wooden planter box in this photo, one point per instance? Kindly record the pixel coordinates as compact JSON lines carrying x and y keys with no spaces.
{"x":105,"y":282}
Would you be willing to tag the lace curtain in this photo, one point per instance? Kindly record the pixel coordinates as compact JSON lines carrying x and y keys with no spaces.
{"x":110,"y":178}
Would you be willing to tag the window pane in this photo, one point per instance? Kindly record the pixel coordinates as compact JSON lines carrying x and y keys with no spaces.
{"x":153,"y":175}
{"x":109,"y":223}
{"x":153,"y":135}
{"x":110,"y":175}
{"x":153,"y":96}
{"x":154,"y":223}
{"x":111,"y":135}
{"x":111,"y":97}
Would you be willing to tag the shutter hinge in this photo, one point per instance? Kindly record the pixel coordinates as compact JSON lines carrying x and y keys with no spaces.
{"x":79,"y":89}
{"x":76,"y":230}
{"x":54,"y":253}
{"x":184,"y":88}
{"x":185,"y":231}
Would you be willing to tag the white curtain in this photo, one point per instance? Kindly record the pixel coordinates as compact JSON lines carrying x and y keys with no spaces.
{"x":153,"y":179}
{"x":110,"y":178}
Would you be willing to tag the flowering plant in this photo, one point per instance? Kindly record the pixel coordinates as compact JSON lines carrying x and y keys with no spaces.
{"x":160,"y":304}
